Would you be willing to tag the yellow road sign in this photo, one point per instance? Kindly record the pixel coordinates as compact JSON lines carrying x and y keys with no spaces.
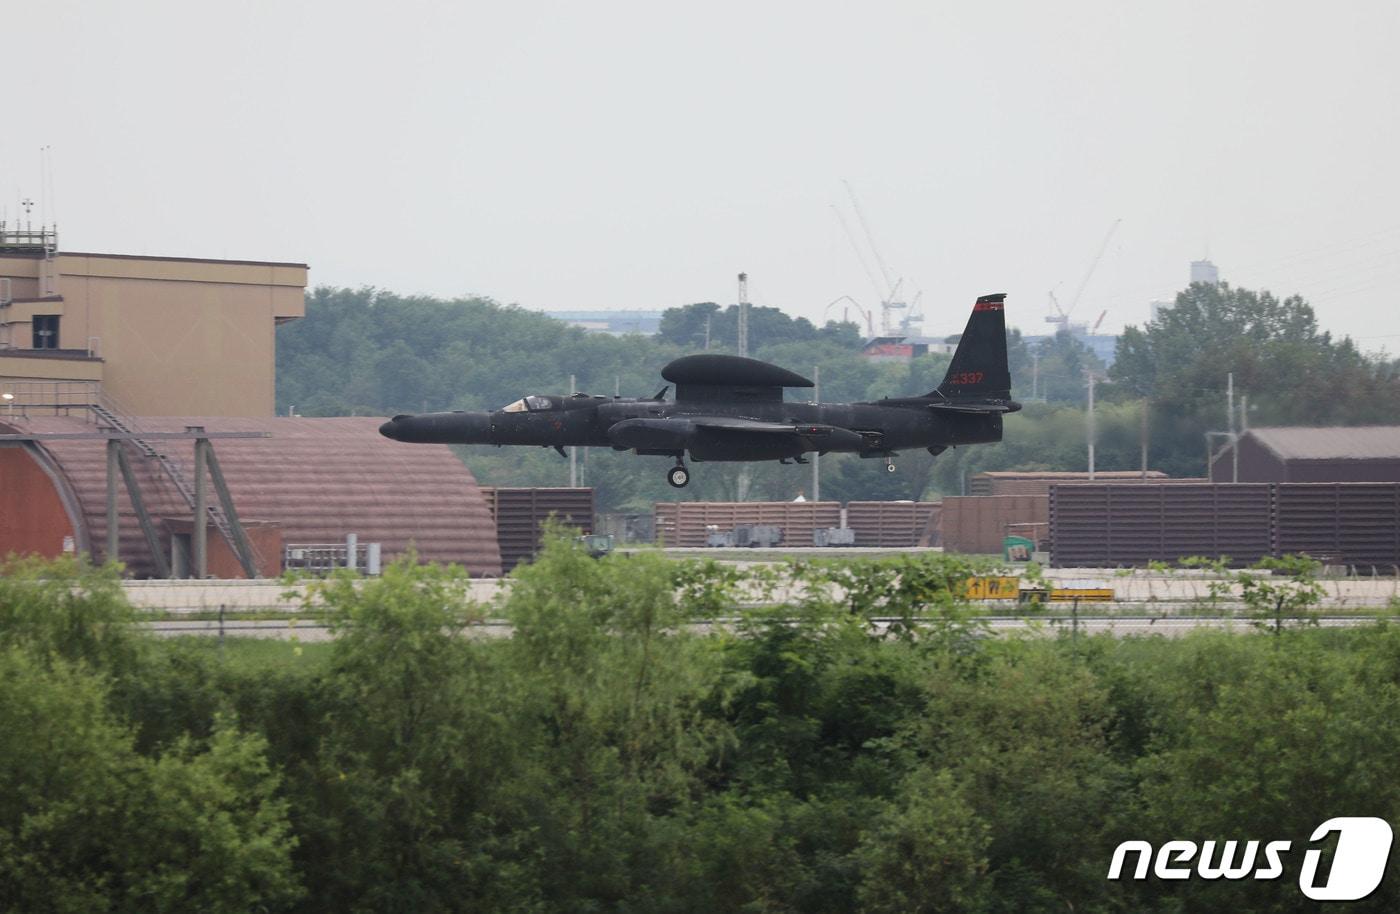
{"x":993,"y":588}
{"x":1082,"y":594}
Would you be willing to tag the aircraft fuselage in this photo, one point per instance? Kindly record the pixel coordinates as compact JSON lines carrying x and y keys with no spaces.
{"x":874,"y":429}
{"x":732,"y":408}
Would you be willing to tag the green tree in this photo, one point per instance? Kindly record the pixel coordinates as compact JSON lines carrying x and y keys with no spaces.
{"x":927,"y":855}
{"x":87,"y":823}
{"x":1278,"y":589}
{"x":1026,"y":734}
{"x":65,"y":609}
{"x":1252,"y":740}
{"x":404,"y":782}
{"x":610,"y":692}
{"x":686,"y":327}
{"x":1292,"y":371}
{"x":1063,"y":363}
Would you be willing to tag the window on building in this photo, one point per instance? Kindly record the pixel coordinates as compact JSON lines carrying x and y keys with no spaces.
{"x":46,"y":331}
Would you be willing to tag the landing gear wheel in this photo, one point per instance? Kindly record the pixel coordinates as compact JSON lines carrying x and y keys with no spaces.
{"x":678,"y":476}
{"x":889,"y":466}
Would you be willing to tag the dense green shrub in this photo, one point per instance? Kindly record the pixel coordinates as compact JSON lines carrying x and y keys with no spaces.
{"x":612,"y":755}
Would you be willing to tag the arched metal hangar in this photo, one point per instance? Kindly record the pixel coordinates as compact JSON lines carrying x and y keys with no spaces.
{"x":302,"y":480}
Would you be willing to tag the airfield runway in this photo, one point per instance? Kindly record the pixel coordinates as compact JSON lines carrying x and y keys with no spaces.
{"x":1146,"y":603}
{"x":1044,"y":626}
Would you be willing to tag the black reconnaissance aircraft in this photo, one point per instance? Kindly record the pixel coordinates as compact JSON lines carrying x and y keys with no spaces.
{"x":731,"y":408}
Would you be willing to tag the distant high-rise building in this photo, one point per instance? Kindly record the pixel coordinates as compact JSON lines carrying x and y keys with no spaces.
{"x":1204,"y":271}
{"x":614,"y":323}
{"x":1157,"y":306}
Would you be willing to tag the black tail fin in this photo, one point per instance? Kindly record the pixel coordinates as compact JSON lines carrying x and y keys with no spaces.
{"x":979,"y":371}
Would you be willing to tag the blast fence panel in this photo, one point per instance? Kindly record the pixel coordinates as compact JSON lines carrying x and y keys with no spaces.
{"x":1109,"y":526}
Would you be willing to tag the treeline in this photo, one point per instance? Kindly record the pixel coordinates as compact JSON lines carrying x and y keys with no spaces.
{"x":606,"y":758}
{"x":367,"y":351}
{"x":1290,"y":371}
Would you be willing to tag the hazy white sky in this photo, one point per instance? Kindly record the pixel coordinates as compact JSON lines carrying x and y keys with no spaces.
{"x":638,"y":155}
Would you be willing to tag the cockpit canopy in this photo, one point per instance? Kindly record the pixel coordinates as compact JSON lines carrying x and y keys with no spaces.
{"x":530,"y":404}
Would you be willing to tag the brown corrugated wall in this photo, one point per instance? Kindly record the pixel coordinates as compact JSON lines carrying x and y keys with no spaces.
{"x":1348,"y":523}
{"x":521,"y":512}
{"x":890,"y":524}
{"x":683,"y":524}
{"x":1038,"y":483}
{"x":979,"y":523}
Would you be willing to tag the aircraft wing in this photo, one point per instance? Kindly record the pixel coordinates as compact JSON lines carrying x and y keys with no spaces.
{"x":748,"y":425}
{"x":974,"y":407}
{"x":685,"y":432}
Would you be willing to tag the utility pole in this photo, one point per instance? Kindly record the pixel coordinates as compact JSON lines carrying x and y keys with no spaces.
{"x":816,"y":456}
{"x":1035,"y":375}
{"x":1244,"y":427}
{"x":743,"y":314}
{"x":1234,"y":439}
{"x":1143,"y":437}
{"x":1090,"y":427}
{"x":742,"y":487}
{"x":573,"y":450}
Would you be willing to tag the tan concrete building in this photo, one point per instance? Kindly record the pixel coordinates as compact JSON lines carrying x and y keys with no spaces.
{"x":157,"y":336}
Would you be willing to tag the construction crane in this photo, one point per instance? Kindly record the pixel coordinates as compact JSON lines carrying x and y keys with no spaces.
{"x":869,"y":321}
{"x":914,"y":314}
{"x":1095,"y":329}
{"x":855,"y":246}
{"x":888,"y":291}
{"x":1060,"y":315}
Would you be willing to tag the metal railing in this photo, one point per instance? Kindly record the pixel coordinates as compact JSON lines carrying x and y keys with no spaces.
{"x":44,"y":398}
{"x":45,"y":239}
{"x":49,"y":398}
{"x":323,"y":558}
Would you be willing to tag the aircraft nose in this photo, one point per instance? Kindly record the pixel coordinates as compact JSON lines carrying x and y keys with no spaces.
{"x":440,"y":428}
{"x":391,"y":428}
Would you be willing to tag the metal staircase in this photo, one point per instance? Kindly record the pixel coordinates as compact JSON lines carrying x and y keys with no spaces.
{"x":107,"y":413}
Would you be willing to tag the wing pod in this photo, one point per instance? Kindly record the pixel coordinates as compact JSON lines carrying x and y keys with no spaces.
{"x":1009,"y":406}
{"x":812,"y":437}
{"x":652,"y":434}
{"x":681,"y":433}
